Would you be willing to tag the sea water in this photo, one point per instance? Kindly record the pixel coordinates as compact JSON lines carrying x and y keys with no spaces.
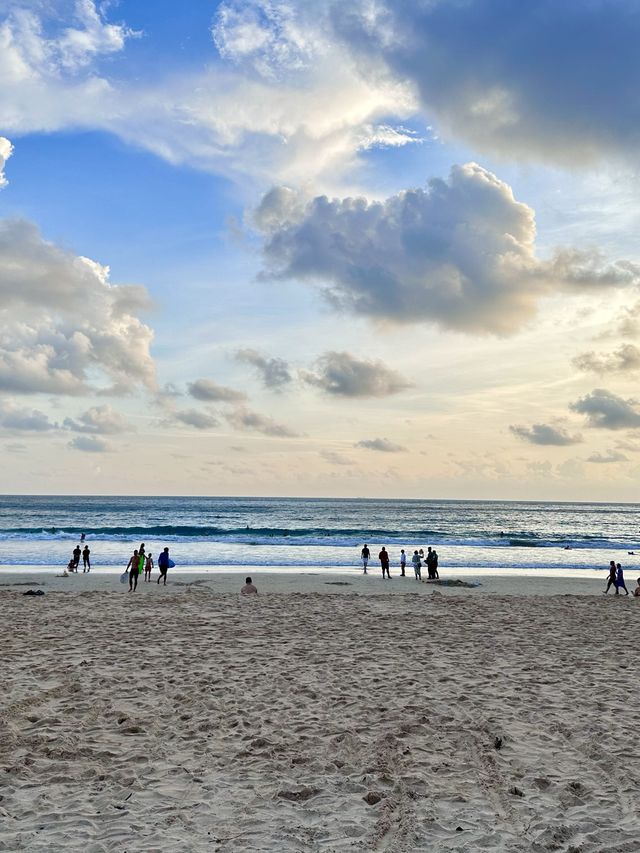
{"x":318,"y":533}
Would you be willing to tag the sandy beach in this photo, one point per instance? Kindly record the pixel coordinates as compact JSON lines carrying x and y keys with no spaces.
{"x":187,"y":719}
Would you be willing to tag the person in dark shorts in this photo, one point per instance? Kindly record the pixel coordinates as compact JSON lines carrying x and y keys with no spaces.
{"x":132,"y":568}
{"x":86,"y":561}
{"x":364,"y":556}
{"x":403,"y":562}
{"x":163,"y":565}
{"x":383,"y":556}
{"x":76,"y":556}
{"x":612,"y":577}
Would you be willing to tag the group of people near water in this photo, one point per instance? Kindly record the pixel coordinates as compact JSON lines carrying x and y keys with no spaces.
{"x":78,"y":552}
{"x":141,"y":562}
{"x":418,"y":560}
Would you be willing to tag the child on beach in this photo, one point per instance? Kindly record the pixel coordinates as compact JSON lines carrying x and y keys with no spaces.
{"x":416,"y":565}
{"x":148,"y":565}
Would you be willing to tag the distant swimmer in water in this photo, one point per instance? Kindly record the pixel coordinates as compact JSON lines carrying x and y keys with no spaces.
{"x":631,"y":553}
{"x":248,"y":588}
{"x":86,"y":562}
{"x":82,"y":538}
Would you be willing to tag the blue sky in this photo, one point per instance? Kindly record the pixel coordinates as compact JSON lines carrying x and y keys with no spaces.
{"x":328,"y":253}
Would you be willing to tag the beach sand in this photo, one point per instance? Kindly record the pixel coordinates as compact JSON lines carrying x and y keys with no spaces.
{"x":189,"y":719}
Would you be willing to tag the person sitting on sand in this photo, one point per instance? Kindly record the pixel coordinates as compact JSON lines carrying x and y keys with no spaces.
{"x":612,"y":577}
{"x":163,"y":565}
{"x":86,"y":562}
{"x":417,"y":563}
{"x":132,"y":568}
{"x":148,"y":565}
{"x":636,"y":591}
{"x":248,"y":588}
{"x":620,"y":584}
{"x":383,"y":556}
{"x":70,"y":567}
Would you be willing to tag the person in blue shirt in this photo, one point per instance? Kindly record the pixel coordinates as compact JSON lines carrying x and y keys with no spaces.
{"x":620,"y":584}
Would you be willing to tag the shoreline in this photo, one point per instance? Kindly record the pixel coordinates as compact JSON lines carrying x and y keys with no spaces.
{"x":287,"y":580}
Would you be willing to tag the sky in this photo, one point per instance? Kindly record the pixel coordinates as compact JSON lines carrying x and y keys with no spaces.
{"x":309,"y":248}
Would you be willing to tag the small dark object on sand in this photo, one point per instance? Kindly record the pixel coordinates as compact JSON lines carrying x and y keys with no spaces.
{"x":497,"y":743}
{"x":34,"y":592}
{"x":337,"y":583}
{"x":454,"y":582}
{"x":517,"y":792}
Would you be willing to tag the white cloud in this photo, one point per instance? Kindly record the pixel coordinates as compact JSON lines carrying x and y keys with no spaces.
{"x":99,"y":420}
{"x":460,"y":253}
{"x":341,"y":374}
{"x":545,"y":434}
{"x":6,"y":150}
{"x":605,"y":410}
{"x":205,"y":389}
{"x":382,"y":445}
{"x":334,"y":458}
{"x":608,"y":458}
{"x":244,"y":419}
{"x":64,"y":329}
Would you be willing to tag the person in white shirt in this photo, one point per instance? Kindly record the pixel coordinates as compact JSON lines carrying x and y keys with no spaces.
{"x":417,"y":565}
{"x":403,"y":563}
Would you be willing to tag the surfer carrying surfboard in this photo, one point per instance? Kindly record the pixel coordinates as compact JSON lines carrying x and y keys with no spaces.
{"x":164,"y":564}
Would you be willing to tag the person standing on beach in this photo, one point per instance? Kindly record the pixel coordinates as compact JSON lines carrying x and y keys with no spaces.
{"x":620,"y":584}
{"x":383,"y":556}
{"x":435,"y":564}
{"x":76,"y":557}
{"x":403,"y":562}
{"x":163,"y":565}
{"x":429,"y":562}
{"x":416,"y":565}
{"x":364,"y":556}
{"x":612,"y":577}
{"x":86,"y":562}
{"x":132,"y":568}
{"x":148,"y":565}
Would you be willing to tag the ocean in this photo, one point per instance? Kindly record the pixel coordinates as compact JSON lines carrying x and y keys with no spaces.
{"x":319,"y":533}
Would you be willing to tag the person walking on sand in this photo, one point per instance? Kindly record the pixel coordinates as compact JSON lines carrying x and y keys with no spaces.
{"x":248,"y":588}
{"x":163,"y":566}
{"x":612,"y":577}
{"x":148,"y":565}
{"x":86,"y":562}
{"x":76,"y":557}
{"x":403,"y":563}
{"x":132,"y":568}
{"x":383,"y":556}
{"x":620,"y":584}
{"x":364,"y":556}
{"x":416,"y":565}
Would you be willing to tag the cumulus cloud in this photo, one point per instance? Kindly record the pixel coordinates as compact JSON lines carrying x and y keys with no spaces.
{"x":626,"y":359}
{"x":205,"y":389}
{"x":6,"y":150}
{"x":548,"y":80}
{"x":605,"y":410}
{"x":90,"y":444}
{"x":460,"y":253}
{"x":195,"y":418}
{"x":383,"y":445}
{"x":334,"y":458}
{"x":20,"y":419}
{"x":343,"y":375}
{"x":244,"y":419}
{"x":64,"y":328}
{"x":274,"y":372}
{"x":545,"y":434}
{"x":99,"y":420}
{"x":608,"y":458}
